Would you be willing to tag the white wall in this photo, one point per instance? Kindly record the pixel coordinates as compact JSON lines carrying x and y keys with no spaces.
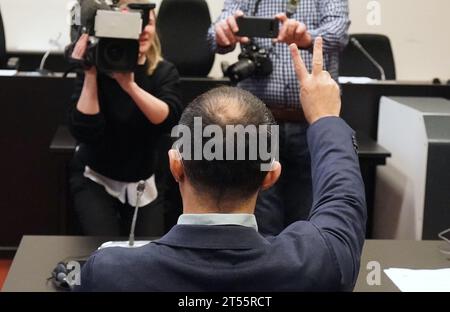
{"x":31,"y":24}
{"x":419,"y":33}
{"x":418,"y":30}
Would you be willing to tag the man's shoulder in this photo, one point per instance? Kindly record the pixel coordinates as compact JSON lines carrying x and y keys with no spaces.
{"x":297,"y":238}
{"x":115,"y":268}
{"x":118,"y":259}
{"x":298,"y":233}
{"x":109,"y":255}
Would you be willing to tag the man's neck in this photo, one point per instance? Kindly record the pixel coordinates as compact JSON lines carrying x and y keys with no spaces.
{"x":195,"y":204}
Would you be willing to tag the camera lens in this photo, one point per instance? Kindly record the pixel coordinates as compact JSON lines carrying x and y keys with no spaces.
{"x":114,"y":53}
{"x":241,"y":70}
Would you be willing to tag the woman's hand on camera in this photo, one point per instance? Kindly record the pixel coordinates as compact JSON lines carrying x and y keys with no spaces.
{"x":80,"y":47}
{"x":226,"y":31}
{"x":125,"y":80}
{"x":79,"y":52}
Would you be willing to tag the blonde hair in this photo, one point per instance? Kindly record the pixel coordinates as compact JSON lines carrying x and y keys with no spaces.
{"x":154,"y":53}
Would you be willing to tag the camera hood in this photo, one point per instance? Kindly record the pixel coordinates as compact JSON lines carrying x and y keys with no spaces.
{"x":120,"y":25}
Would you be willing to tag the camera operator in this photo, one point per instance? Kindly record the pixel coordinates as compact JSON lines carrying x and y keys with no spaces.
{"x":307,"y":20}
{"x":117,"y":119}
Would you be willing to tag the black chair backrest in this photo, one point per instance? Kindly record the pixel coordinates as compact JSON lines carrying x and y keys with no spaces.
{"x":2,"y":44}
{"x":354,"y":63}
{"x":182,"y":26}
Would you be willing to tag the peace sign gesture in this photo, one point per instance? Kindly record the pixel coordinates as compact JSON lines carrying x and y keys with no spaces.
{"x":319,"y":93}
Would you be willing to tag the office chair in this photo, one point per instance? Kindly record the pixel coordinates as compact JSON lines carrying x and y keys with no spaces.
{"x":182,"y":26}
{"x":353,"y":62}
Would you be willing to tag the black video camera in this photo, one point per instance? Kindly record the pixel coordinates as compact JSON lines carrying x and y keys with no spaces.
{"x":253,"y":61}
{"x":114,"y":33}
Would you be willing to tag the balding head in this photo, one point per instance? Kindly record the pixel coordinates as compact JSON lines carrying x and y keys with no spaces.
{"x":228,"y":105}
{"x":232,"y":177}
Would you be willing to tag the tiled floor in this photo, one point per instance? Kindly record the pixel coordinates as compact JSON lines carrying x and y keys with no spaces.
{"x":4,"y":268}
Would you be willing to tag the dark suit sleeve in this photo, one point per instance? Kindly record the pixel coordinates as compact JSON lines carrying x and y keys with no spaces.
{"x":339,"y":205}
{"x":84,"y":128}
{"x":86,"y":281}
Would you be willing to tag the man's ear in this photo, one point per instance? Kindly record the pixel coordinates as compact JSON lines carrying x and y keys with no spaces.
{"x":176,"y":165}
{"x":272,"y":176}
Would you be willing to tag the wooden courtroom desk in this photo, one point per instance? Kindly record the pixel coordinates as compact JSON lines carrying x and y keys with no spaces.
{"x":33,"y":107}
{"x":38,"y":255}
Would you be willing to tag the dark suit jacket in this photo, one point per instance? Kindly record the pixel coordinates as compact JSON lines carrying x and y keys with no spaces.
{"x":321,"y":254}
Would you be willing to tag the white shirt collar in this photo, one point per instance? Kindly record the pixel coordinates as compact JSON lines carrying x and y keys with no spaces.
{"x":243,"y":219}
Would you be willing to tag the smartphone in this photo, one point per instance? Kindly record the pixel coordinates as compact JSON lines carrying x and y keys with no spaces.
{"x":260,"y":27}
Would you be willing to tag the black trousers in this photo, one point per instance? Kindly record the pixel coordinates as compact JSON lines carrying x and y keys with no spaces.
{"x":100,"y":214}
{"x":290,"y":199}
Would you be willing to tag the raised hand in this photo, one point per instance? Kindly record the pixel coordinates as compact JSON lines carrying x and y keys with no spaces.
{"x":319,"y":93}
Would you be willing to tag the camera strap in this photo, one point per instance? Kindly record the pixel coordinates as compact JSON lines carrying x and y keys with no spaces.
{"x":291,"y":7}
{"x":255,"y":11}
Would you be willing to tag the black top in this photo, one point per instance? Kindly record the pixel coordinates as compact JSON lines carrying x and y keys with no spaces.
{"x":119,"y":142}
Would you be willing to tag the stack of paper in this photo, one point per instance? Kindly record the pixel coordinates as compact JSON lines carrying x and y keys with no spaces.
{"x":8,"y":72}
{"x":124,"y":244}
{"x":408,"y":280}
{"x":356,"y":80}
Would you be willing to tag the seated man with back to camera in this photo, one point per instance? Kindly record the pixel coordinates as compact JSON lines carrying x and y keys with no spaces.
{"x":216,"y":246}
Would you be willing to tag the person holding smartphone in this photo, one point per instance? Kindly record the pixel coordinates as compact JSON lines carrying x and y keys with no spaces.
{"x":291,"y":198}
{"x":118,"y":119}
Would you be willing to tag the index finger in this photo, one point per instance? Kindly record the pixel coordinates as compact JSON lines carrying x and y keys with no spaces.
{"x":281,"y":17}
{"x":318,"y":56}
{"x":299,"y":65}
{"x":83,"y":39}
{"x":82,"y":42}
{"x":231,"y":20}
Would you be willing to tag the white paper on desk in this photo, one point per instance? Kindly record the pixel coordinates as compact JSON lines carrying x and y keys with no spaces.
{"x":408,"y":280}
{"x":8,"y":72}
{"x":357,"y":80}
{"x":124,"y":244}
